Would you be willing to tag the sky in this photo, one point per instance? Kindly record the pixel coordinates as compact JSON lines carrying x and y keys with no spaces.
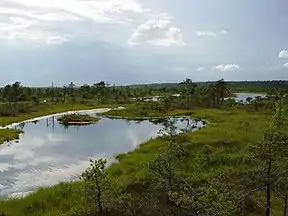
{"x":142,"y":41}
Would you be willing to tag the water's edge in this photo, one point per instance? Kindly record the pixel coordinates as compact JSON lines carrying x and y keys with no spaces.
{"x":92,"y":112}
{"x":87,"y":111}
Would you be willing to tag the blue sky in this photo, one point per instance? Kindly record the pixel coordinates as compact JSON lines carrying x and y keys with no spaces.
{"x":142,"y":41}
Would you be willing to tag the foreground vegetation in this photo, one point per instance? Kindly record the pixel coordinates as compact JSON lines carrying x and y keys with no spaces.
{"x":237,"y":165}
{"x":77,"y":119}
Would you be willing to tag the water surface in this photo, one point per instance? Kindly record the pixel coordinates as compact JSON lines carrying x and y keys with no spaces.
{"x":238,"y":97}
{"x":243,"y":96}
{"x":48,"y":153}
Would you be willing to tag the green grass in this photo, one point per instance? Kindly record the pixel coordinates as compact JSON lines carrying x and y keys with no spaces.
{"x":230,"y":126}
{"x":7,"y":135}
{"x":228,"y":136}
{"x":139,"y":111}
{"x":47,"y":201}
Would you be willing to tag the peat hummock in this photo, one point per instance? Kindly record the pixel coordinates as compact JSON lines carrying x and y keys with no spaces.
{"x":78,"y":119}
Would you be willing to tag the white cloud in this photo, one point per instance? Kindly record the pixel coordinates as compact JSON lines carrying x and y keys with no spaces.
{"x":199,"y":69}
{"x":211,"y":33}
{"x":22,"y":21}
{"x":283,"y":54}
{"x":158,"y":32}
{"x":97,"y":10}
{"x":22,"y":29}
{"x":206,"y":34}
{"x":286,"y":65}
{"x":228,"y":67}
{"x":39,"y":14}
{"x":55,"y":22}
{"x":4,"y":167}
{"x":14,"y":25}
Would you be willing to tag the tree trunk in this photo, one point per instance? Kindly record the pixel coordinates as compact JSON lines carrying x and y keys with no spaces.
{"x":217,"y":96}
{"x":285,"y":205}
{"x":63,"y":98}
{"x":268,"y":192}
{"x":268,"y":199}
{"x":99,"y":199}
{"x":222,"y":94}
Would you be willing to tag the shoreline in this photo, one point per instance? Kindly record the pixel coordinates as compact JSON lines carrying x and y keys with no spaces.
{"x":89,"y":111}
{"x":8,"y":133}
{"x":20,"y":195}
{"x":52,"y":110}
{"x":206,"y":122}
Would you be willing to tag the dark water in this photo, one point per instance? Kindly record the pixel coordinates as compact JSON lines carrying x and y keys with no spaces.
{"x":48,"y":153}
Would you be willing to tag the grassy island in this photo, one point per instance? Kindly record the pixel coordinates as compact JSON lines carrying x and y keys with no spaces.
{"x":77,"y":119}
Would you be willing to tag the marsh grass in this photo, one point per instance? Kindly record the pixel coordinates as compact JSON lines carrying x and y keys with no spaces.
{"x":221,"y":149}
{"x":7,"y":135}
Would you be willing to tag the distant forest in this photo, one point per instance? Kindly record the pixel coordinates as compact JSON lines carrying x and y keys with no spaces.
{"x":237,"y":86}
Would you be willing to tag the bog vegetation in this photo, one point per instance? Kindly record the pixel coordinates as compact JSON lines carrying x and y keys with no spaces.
{"x":237,"y":165}
{"x":77,"y":119}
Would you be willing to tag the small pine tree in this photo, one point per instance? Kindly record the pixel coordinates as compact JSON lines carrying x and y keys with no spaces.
{"x":94,"y":179}
{"x":269,"y":157}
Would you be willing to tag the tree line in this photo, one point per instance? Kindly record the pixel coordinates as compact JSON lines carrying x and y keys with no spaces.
{"x":16,"y":98}
{"x":103,"y":92}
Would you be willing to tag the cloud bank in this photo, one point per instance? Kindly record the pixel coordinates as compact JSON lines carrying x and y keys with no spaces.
{"x":228,"y":67}
{"x":157,"y":32}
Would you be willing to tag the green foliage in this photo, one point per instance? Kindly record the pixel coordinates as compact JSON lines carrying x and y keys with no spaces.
{"x":187,"y":195}
{"x":270,"y":157}
{"x":94,"y":179}
{"x":211,"y":199}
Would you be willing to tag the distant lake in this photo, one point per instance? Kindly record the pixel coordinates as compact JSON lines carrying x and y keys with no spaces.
{"x":239,"y":97}
{"x":48,"y":153}
{"x":243,"y":96}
